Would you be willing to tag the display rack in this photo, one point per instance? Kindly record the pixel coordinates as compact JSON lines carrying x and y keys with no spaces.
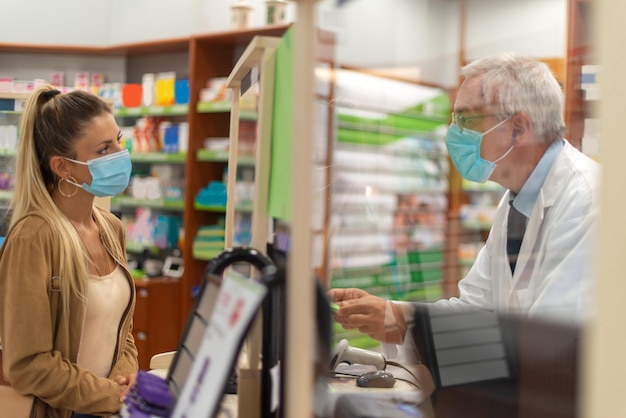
{"x":390,"y":182}
{"x":201,"y":57}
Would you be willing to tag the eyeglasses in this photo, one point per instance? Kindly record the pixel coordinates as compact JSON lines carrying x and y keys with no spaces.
{"x":460,"y":121}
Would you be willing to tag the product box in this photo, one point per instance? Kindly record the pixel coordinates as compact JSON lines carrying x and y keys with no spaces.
{"x":131,"y":95}
{"x":147,"y":88}
{"x":81,"y":80}
{"x":97,"y":81}
{"x":22,"y":86}
{"x":57,"y":78}
{"x":165,"y":88}
{"x":216,"y":90}
{"x":181,"y":91}
{"x":19,"y":105}
{"x":6,"y":84}
{"x":6,"y":104}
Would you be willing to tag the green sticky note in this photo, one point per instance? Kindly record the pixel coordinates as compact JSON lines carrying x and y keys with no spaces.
{"x":279,"y":202}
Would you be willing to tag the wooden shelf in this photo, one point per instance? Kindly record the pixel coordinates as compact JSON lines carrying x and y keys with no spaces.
{"x":138,"y":48}
{"x":8,"y":152}
{"x":165,"y":204}
{"x":224,"y":107}
{"x":210,"y":55}
{"x":6,"y":195}
{"x":173,"y":110}
{"x":24,"y":95}
{"x":578,"y":54}
{"x":222,"y":156}
{"x":14,"y":95}
{"x":158,"y":157}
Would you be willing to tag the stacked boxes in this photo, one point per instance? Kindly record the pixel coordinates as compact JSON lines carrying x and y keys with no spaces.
{"x":390,"y":180}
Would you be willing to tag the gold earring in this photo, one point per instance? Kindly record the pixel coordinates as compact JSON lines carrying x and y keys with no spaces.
{"x":61,"y":190}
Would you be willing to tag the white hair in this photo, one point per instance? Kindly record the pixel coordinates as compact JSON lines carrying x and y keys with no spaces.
{"x":521,"y":84}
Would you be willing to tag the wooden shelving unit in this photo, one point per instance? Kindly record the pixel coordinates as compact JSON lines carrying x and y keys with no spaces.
{"x":578,"y":53}
{"x":209,"y":55}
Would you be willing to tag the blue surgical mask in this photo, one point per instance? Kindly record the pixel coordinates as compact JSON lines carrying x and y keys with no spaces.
{"x":109,"y":174}
{"x":464,"y":150}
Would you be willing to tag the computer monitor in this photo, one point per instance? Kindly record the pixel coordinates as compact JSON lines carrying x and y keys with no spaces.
{"x":193,"y":333}
{"x":494,"y":364}
{"x":274,"y":335}
{"x":272,"y":306}
{"x":461,"y":347}
{"x":222,"y":316}
{"x":273,"y":277}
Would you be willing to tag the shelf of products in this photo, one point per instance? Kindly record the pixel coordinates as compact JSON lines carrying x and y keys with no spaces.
{"x":225,"y":106}
{"x":390,"y":179}
{"x":211,"y":57}
{"x":578,"y":76}
{"x":173,"y":110}
{"x":9,"y":122}
{"x":222,"y":157}
{"x":159,"y":157}
{"x":154,"y":130}
{"x":202,"y":57}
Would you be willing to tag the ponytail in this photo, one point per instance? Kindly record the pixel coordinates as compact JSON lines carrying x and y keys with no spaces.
{"x":50,"y":125}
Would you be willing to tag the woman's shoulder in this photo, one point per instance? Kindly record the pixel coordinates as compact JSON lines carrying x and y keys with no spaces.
{"x":31,"y":225}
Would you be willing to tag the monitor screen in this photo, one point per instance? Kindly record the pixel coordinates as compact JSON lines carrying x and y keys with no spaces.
{"x":461,"y":347}
{"x":212,"y":341}
{"x":195,"y":328}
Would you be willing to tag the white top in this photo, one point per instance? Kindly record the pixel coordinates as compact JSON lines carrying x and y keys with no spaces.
{"x":107,"y":298}
{"x":554,"y":274}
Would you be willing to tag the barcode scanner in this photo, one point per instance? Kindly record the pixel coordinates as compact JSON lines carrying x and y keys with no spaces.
{"x":344,"y":353}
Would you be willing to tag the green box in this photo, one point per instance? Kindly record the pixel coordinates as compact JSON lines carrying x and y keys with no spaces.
{"x":426,"y":256}
{"x":427,"y":275}
{"x":426,"y":293}
{"x":362,"y":282}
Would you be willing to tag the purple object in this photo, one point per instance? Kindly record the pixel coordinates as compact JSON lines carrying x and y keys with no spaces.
{"x":150,"y":395}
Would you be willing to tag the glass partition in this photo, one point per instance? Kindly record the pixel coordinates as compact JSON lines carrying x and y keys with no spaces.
{"x":407,"y":224}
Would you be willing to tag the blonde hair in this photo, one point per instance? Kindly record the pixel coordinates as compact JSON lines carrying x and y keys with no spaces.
{"x":50,"y":126}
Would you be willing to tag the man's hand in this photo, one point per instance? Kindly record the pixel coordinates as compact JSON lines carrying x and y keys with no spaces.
{"x":371,"y":315}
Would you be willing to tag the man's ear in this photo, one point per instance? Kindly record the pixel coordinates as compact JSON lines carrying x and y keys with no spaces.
{"x":60,"y":167}
{"x":522,"y":127}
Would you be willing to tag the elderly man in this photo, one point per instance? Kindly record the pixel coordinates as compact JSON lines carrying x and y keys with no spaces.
{"x":507,"y":127}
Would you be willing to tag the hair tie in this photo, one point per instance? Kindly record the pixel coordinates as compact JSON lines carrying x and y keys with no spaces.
{"x":50,"y":94}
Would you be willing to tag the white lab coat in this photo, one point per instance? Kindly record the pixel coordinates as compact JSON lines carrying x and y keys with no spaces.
{"x":554,"y":273}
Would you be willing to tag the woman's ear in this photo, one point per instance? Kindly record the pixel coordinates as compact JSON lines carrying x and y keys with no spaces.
{"x":521,"y":127}
{"x":60,"y":167}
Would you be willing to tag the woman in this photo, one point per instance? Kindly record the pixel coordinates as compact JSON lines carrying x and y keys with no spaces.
{"x":66,"y":294}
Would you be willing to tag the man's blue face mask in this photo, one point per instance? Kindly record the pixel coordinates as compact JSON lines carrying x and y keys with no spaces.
{"x":109,"y":174}
{"x":464,"y":150}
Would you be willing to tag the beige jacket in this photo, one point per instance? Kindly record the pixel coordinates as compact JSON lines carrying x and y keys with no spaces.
{"x":40,"y":342}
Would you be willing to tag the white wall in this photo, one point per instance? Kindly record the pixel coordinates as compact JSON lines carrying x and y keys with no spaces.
{"x":106,"y":22}
{"x":55,"y":21}
{"x":371,"y":33}
{"x":144,"y":20}
{"x":425,"y":33}
{"x":535,"y":27}
{"x":32,"y":66}
{"x":215,"y":14}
